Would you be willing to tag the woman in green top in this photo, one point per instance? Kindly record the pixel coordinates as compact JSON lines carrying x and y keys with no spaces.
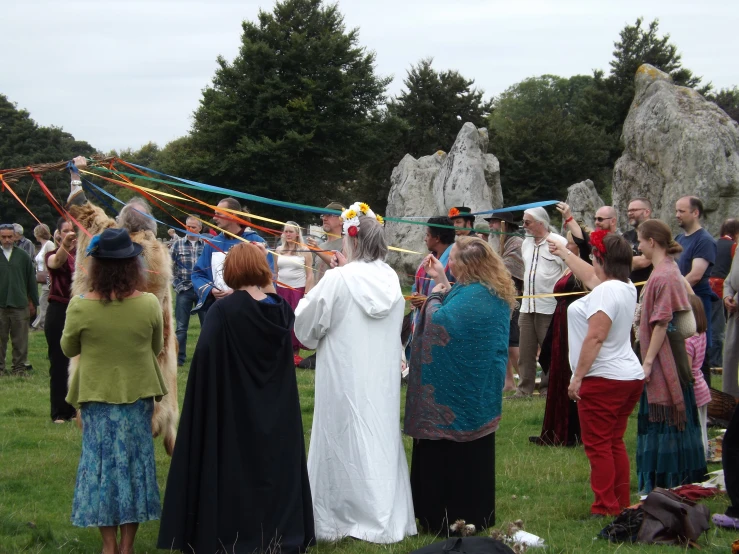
{"x":117,"y":333}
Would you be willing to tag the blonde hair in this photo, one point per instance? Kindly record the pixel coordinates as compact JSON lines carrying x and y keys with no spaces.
{"x":287,"y":247}
{"x":476,"y":262}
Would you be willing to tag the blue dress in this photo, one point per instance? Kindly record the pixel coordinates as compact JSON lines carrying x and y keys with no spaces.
{"x":116,"y":477}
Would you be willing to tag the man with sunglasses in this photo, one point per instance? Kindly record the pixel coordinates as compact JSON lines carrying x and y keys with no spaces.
{"x":18,"y":299}
{"x":605,"y":219}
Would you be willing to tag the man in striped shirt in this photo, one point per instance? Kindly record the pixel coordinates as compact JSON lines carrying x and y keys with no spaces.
{"x":542,"y":270}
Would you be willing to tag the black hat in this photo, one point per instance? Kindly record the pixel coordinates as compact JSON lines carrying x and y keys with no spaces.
{"x":113,"y":244}
{"x":502,"y":216}
{"x":461,"y":211}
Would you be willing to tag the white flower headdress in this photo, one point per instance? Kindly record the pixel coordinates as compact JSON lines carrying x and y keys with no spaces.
{"x":350,"y":217}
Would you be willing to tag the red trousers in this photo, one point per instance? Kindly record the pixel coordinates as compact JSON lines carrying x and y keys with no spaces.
{"x":604,"y":409}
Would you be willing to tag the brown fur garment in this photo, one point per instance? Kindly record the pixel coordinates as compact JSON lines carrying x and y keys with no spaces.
{"x":158,"y":266}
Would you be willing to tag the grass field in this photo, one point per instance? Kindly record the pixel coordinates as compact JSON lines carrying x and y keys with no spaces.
{"x":545,"y":487}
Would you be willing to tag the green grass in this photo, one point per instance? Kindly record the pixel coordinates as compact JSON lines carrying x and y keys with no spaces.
{"x":547,"y":488}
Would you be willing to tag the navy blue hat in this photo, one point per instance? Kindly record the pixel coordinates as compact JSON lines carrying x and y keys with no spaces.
{"x":115,"y":244}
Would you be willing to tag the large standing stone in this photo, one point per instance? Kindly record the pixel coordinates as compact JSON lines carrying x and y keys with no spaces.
{"x":584,"y":201}
{"x":677,"y":143}
{"x":431,"y":185}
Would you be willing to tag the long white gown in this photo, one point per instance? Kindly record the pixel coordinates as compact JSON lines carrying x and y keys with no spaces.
{"x":356,"y":463}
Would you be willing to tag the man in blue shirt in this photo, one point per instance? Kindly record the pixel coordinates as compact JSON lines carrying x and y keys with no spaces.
{"x":185,"y":253}
{"x":697,"y":258}
{"x":207,"y":276}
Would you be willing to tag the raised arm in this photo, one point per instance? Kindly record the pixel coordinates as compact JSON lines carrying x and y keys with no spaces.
{"x":581,"y":269}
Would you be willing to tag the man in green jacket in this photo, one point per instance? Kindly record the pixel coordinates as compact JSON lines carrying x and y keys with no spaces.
{"x":18,"y":299}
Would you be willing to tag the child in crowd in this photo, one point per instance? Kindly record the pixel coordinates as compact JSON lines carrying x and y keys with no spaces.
{"x":696,"y":348}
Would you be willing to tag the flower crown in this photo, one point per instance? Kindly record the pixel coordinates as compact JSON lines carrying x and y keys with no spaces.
{"x":596,"y":242}
{"x":350,"y":217}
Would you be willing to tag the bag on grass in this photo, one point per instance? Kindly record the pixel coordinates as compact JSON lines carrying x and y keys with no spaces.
{"x":669,"y":519}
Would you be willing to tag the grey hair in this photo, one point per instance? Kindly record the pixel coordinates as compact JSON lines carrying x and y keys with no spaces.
{"x":371,"y":243}
{"x":18,"y":228}
{"x":135,"y":216}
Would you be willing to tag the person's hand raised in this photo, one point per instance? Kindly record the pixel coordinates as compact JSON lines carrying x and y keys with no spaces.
{"x":433,"y":267}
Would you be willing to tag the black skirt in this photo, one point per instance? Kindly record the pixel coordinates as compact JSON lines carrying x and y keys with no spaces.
{"x":453,"y":480}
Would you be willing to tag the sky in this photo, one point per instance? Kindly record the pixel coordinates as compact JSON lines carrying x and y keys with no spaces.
{"x":119,"y":74}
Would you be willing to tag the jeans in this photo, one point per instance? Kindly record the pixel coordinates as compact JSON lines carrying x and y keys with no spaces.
{"x":718,"y":329}
{"x":184,"y":304}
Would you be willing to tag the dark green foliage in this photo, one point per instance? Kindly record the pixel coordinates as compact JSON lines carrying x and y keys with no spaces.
{"x":728,"y":100}
{"x":289,"y":117}
{"x":609,"y":100}
{"x":23,"y":142}
{"x":543,"y":142}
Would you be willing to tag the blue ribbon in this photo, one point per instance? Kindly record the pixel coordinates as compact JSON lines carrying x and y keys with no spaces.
{"x":519,"y":208}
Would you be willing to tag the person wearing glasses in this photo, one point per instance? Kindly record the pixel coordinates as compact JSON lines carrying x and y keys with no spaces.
{"x":185,"y":252}
{"x":542,"y":270}
{"x":605,"y":219}
{"x":639,"y":211}
{"x":332,"y":226}
{"x":18,"y":299}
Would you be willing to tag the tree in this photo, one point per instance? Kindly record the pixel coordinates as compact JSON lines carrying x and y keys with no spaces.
{"x":609,"y":100}
{"x":23,"y":142}
{"x":728,"y":100}
{"x":542,"y":141}
{"x":289,"y":117}
{"x":434,"y":106}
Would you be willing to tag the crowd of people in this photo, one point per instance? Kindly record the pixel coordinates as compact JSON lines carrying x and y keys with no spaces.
{"x":594,"y":321}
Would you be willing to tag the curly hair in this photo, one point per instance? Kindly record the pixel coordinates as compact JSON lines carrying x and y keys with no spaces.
{"x":115,"y":279}
{"x":475,"y":261}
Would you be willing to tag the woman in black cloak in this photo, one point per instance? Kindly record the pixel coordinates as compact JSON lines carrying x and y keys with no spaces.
{"x":238,"y":481}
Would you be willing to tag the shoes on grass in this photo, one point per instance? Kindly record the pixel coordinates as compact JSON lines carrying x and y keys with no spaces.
{"x":308,"y":363}
{"x":297,"y":359}
{"x":725,"y":522}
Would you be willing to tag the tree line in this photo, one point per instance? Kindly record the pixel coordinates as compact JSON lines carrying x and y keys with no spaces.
{"x":302,"y":115}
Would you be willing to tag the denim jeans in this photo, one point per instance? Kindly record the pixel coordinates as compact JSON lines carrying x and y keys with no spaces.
{"x":184,"y":304}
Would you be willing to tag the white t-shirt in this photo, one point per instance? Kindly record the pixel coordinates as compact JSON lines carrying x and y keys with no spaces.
{"x":542,"y":270}
{"x":40,"y":258}
{"x":291,"y":270}
{"x":616,"y":360}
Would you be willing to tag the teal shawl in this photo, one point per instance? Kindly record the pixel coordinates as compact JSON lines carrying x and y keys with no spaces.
{"x":458,"y":365}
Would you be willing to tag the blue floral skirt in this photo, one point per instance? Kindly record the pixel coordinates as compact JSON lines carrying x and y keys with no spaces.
{"x":116,"y":477}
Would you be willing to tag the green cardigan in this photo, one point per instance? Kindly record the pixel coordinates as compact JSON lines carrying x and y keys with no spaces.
{"x":17,"y":280}
{"x":117,"y":344}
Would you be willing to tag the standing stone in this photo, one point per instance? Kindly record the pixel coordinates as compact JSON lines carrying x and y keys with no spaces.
{"x":584,"y":201}
{"x":677,"y":143}
{"x":431,"y":185}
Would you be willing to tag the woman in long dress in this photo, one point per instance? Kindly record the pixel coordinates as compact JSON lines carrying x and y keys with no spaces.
{"x":294,"y":272}
{"x":356,"y":462}
{"x":455,"y":388}
{"x":669,"y":448}
{"x":561,"y":426}
{"x":238,"y":481}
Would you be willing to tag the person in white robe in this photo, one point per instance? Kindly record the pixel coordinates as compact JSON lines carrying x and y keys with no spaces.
{"x":356,"y":462}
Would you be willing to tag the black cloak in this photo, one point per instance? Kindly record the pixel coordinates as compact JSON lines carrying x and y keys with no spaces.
{"x":238,"y":481}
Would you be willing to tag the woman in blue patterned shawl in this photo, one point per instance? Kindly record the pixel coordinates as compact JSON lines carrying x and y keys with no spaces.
{"x":455,"y":387}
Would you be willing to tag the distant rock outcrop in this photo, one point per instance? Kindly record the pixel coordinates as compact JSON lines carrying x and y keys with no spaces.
{"x":431,"y":185}
{"x":677,"y":143}
{"x":584,"y":201}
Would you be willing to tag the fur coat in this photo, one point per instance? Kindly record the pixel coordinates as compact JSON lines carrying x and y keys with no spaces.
{"x":158,"y":266}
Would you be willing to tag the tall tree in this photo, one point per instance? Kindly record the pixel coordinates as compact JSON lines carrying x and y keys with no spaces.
{"x":542,"y":141}
{"x":610,"y":97}
{"x":23,"y":142}
{"x":434,"y":106}
{"x":289,"y":117}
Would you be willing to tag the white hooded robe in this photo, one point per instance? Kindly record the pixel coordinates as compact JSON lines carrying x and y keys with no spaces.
{"x":356,"y":463}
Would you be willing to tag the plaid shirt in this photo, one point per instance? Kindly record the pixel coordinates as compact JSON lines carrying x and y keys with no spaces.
{"x":184,"y":256}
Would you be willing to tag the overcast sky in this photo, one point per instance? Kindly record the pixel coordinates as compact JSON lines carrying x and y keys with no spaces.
{"x":119,"y":74}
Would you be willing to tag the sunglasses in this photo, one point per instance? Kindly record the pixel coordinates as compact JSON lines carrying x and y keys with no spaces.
{"x":601,"y":219}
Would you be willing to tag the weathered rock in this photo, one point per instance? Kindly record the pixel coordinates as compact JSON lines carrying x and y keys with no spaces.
{"x":677,"y":143}
{"x":430,"y":185}
{"x":584,"y":201}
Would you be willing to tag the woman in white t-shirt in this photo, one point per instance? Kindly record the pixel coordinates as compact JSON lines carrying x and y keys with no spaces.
{"x":43,"y":236}
{"x":294,"y":271}
{"x":608,"y":378}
